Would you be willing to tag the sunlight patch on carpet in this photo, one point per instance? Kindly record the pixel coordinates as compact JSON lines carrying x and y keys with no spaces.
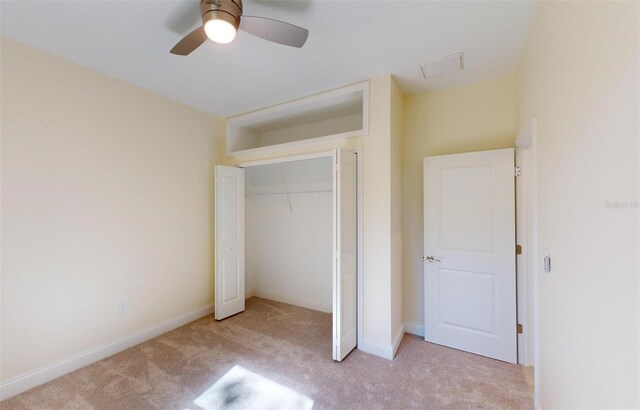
{"x":240,"y":388}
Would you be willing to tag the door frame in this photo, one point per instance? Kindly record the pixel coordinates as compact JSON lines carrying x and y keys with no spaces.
{"x":527,"y":232}
{"x":360,"y":229}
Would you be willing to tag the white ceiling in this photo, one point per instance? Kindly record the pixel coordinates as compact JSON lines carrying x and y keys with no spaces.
{"x":349,"y":41}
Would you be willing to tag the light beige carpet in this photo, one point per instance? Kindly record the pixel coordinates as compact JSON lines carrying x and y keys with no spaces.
{"x":290,"y":346}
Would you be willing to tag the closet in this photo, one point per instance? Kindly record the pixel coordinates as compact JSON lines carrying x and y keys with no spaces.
{"x":289,"y":235}
{"x":286,"y":229}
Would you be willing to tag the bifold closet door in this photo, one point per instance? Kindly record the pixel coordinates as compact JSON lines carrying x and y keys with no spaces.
{"x":345,"y":268}
{"x":229,"y":241}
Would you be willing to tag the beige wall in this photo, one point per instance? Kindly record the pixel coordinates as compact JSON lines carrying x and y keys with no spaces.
{"x":397,"y":321}
{"x":106,"y":195}
{"x":376,"y":181}
{"x":468,"y":118}
{"x":580,"y":78}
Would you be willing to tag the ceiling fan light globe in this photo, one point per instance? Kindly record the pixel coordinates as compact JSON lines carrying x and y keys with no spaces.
{"x":220,"y":31}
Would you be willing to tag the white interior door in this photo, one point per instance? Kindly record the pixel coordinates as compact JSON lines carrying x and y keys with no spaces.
{"x":469,"y":248}
{"x":229,"y":241}
{"x":345,"y":267}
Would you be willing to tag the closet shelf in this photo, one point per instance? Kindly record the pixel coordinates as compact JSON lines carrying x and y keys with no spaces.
{"x":288,"y":193}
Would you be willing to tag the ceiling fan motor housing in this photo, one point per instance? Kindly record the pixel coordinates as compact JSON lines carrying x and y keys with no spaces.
{"x":221,"y":21}
{"x":227,"y":10}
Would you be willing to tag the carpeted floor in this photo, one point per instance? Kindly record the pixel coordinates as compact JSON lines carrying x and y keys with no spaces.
{"x":290,"y":346}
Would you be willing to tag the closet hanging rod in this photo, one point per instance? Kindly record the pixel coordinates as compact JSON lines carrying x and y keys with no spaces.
{"x":289,"y":192}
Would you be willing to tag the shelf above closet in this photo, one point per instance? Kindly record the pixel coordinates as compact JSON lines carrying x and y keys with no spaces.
{"x":339,"y":113}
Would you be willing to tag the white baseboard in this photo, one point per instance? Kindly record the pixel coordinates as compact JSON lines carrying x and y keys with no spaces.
{"x":292,"y":301}
{"x":40,"y":376}
{"x":414,"y":329}
{"x":397,"y":339}
{"x":386,"y":352}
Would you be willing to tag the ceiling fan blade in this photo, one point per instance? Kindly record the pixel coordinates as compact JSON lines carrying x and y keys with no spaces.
{"x":190,"y":42}
{"x":275,"y":30}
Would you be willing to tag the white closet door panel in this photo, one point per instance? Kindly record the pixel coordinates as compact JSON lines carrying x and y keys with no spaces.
{"x":229,"y":241}
{"x":344,"y":297}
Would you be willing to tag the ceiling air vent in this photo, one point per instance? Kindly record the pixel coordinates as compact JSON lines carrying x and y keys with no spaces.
{"x":448,"y":64}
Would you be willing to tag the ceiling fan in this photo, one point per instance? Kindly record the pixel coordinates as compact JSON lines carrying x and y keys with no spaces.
{"x":221,"y":20}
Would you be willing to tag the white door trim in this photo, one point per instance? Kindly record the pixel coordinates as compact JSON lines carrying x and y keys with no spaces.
{"x":360,"y":272}
{"x":524,"y":276}
{"x":279,"y":160}
{"x":526,"y":148}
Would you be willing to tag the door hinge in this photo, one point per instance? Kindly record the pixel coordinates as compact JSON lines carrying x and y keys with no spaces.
{"x":519,"y":328}
{"x":517,"y":171}
{"x":518,"y":249}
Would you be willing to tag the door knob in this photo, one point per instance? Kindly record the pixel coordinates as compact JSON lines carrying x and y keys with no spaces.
{"x":432,"y":259}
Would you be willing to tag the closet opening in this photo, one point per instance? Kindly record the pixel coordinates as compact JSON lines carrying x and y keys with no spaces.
{"x":289,"y":235}
{"x":287,"y":230}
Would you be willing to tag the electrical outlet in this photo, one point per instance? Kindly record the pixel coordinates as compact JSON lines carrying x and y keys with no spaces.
{"x":123,"y":306}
